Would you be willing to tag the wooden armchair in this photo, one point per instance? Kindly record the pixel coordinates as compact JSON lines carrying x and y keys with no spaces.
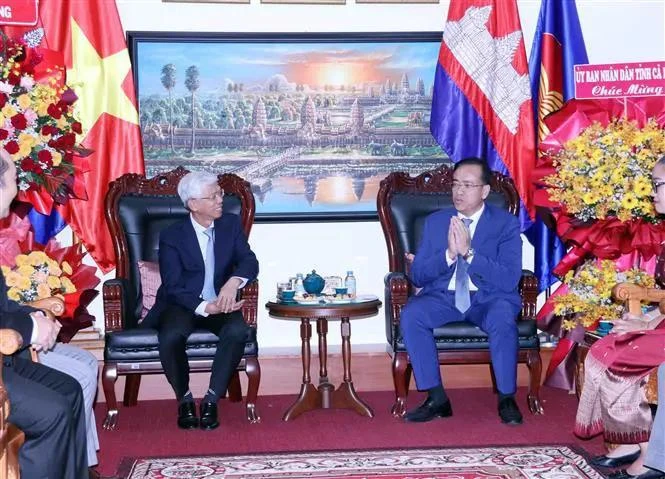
{"x":137,"y":209}
{"x":403,"y":203}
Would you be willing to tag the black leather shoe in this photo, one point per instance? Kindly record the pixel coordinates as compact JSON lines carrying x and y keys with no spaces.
{"x":209,"y":415}
{"x":428,"y":411}
{"x":650,"y":474}
{"x":604,"y":461}
{"x":187,"y":416}
{"x":509,"y":412}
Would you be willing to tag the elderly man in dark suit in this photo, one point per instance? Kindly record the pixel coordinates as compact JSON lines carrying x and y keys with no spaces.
{"x":47,"y":405}
{"x":203,"y":260}
{"x":468,"y":266}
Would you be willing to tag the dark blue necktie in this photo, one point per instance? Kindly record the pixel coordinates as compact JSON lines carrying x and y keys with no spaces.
{"x":462,"y":295}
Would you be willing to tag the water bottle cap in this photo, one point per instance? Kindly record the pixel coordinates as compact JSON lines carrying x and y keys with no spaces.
{"x":349,"y":272}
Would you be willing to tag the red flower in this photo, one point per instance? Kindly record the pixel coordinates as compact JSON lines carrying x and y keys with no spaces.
{"x":68,"y":141}
{"x":11,"y":147}
{"x":49,"y":130}
{"x":28,"y":164}
{"x":45,"y":157}
{"x":19,"y":122}
{"x":13,"y":78}
{"x":76,"y":127}
{"x":54,"y":111}
{"x":3,"y":100}
{"x":3,"y":134}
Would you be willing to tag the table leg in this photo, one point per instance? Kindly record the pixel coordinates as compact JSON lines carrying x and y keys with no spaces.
{"x":325,"y":387}
{"x":309,"y":397}
{"x":345,"y":396}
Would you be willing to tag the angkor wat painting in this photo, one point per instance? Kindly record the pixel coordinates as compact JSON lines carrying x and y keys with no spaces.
{"x":314,"y":122}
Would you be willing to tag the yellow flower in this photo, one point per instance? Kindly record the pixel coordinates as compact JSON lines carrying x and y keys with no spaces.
{"x":56,"y":158}
{"x":21,"y":259}
{"x":43,"y":291}
{"x":37,"y":257}
{"x":13,"y":294}
{"x":590,"y":198}
{"x":8,"y":110}
{"x":68,"y":285}
{"x":23,"y":283}
{"x":12,"y":278}
{"x":53,"y":282}
{"x":24,"y":101}
{"x":5,"y":271}
{"x":26,"y":270}
{"x":66,"y":267}
{"x":629,"y":201}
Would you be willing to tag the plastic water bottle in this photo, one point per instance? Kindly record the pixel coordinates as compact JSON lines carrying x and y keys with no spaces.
{"x":299,"y":286}
{"x":350,"y":284}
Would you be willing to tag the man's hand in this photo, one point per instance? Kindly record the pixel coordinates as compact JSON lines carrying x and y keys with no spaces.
{"x":462,"y":235}
{"x":452,"y":241}
{"x":213,"y":308}
{"x":47,"y":331}
{"x":629,"y":323}
{"x":226,"y":299}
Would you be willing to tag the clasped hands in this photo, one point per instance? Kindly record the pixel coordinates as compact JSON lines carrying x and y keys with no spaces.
{"x":226,"y":299}
{"x":47,"y":331}
{"x":459,"y":239}
{"x":630,"y":322}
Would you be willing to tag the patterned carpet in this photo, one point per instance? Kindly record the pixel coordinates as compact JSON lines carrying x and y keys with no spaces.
{"x":528,"y":462}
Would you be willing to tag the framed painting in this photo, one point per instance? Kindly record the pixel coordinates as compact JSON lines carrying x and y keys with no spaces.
{"x":313,"y":121}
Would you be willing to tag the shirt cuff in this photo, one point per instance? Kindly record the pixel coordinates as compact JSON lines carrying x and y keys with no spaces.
{"x":201,"y":309}
{"x":35,"y":330}
{"x":243,"y":281}
{"x":449,"y":261}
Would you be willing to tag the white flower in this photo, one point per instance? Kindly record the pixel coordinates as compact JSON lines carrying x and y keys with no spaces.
{"x":27,"y":82}
{"x":6,"y":87}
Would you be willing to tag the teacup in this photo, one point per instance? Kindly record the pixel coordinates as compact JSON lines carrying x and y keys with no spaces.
{"x":288,"y":294}
{"x":604,"y":327}
{"x":341,"y":290}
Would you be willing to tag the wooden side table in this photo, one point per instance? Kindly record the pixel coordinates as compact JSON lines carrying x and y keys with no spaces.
{"x":325,"y":396}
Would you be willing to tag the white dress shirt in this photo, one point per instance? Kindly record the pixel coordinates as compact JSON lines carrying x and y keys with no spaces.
{"x":472,"y":229}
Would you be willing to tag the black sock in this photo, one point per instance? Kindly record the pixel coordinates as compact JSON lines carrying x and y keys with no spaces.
{"x":437,"y":394}
{"x":505,"y":396}
{"x":187,"y":397}
{"x":211,"y":396}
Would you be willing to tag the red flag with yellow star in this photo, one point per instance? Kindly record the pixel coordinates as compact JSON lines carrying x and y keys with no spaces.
{"x":90,"y":36}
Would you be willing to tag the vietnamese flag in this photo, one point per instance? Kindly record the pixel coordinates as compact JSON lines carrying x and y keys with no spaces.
{"x":89,"y":35}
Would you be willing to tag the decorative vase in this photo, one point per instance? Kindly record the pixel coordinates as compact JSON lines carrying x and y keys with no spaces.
{"x":314,"y":283}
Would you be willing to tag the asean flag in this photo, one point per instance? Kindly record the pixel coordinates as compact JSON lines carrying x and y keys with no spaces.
{"x":89,"y":35}
{"x":482,"y":99}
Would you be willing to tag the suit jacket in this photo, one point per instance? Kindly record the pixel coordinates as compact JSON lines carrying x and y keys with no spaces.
{"x":182,"y":267}
{"x":496,"y":266}
{"x":14,"y":315}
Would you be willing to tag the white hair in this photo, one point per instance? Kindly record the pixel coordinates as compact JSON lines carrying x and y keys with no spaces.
{"x":191,"y":185}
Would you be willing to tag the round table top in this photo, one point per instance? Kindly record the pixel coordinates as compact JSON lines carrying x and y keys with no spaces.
{"x":298,"y":311}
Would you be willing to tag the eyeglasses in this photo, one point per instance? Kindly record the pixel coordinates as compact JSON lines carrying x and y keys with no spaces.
{"x":657,"y":184}
{"x":457,"y":185}
{"x":217,"y":196}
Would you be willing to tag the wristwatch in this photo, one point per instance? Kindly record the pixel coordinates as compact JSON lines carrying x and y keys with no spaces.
{"x":470,"y":252}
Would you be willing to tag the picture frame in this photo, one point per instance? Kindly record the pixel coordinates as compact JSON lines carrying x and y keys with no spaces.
{"x":314,"y":121}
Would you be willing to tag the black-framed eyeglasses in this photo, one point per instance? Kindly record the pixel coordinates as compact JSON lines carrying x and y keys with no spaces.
{"x":458,"y":185}
{"x":656,"y":184}
{"x":217,"y":196}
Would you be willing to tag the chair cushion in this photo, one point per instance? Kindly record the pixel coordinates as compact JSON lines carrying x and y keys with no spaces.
{"x":465,"y":335}
{"x":150,"y":283}
{"x":142,"y":345}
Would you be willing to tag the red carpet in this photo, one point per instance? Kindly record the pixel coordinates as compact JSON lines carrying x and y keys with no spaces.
{"x":149,"y":429}
{"x":464,"y":463}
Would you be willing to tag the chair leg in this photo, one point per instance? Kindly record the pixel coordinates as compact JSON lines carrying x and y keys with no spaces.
{"x":109,"y":377}
{"x":534,"y":363}
{"x":253,"y":371}
{"x":132,"y":385}
{"x":401,"y":377}
{"x":235,"y":392}
{"x":493,"y":376}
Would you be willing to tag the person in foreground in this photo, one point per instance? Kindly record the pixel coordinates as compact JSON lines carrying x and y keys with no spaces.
{"x":467,"y":266}
{"x":46,"y":404}
{"x":204,"y":260}
{"x":613,"y":400}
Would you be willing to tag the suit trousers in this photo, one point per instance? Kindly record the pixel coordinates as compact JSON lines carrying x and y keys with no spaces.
{"x":175,"y":326}
{"x":82,"y":366}
{"x":47,"y":406}
{"x":497,"y":318}
{"x":655,"y":458}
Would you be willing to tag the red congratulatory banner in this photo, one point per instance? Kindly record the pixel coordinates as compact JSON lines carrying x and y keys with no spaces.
{"x":620,"y":80}
{"x":18,"y":12}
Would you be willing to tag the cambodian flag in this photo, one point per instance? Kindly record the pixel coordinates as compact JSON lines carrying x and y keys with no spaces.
{"x":482,"y":98}
{"x":557,"y":46}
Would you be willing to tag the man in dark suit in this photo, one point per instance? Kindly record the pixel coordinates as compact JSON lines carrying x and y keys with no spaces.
{"x":468,"y":266}
{"x":45,"y":404}
{"x":203,"y":260}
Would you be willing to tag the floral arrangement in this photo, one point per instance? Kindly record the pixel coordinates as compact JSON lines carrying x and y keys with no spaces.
{"x":33,"y":271}
{"x":589,"y":294}
{"x":38,"y":127}
{"x":606,"y":171}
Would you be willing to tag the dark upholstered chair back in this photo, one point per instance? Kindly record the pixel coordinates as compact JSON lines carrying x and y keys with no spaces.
{"x":138,"y":209}
{"x":404,"y":202}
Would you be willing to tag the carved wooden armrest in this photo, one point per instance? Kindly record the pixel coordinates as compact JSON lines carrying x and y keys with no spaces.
{"x":53,"y":307}
{"x":633,"y":295}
